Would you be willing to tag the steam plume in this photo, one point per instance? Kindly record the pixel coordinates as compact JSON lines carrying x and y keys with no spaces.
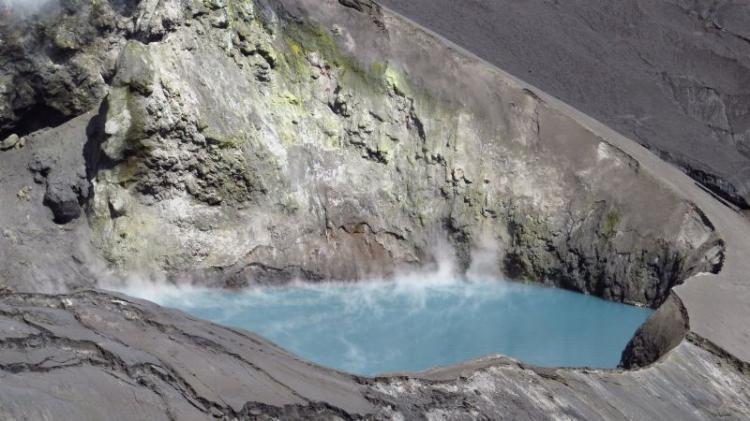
{"x":14,"y":9}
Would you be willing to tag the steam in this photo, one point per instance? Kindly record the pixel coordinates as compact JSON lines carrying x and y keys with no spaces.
{"x":486,"y":260}
{"x":27,"y":5}
{"x":414,"y":321}
{"x":417,"y":284}
{"x":412,"y":292}
{"x":23,"y":8}
{"x":434,"y":295}
{"x":348,"y":325}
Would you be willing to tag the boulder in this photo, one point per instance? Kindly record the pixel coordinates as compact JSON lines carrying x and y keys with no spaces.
{"x":10,"y":142}
{"x":61,"y":198}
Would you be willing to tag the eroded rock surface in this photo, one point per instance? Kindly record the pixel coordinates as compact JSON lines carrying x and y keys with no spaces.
{"x":267,"y":141}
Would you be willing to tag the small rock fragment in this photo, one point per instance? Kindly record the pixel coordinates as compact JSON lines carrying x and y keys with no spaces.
{"x":24,"y":193}
{"x":220,"y":20}
{"x":9,"y":142}
{"x":118,"y":204}
{"x":135,"y":68}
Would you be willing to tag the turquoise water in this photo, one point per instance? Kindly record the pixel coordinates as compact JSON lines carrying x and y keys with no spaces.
{"x":377,"y":327}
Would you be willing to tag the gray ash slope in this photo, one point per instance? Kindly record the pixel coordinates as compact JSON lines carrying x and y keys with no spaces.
{"x":672,"y":74}
{"x":223,"y":142}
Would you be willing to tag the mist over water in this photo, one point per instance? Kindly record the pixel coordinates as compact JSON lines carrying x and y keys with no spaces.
{"x":414,"y":323}
{"x":26,"y":5}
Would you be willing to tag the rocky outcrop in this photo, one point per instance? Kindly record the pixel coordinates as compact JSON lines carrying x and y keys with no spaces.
{"x":326,"y":157}
{"x":117,"y":353}
{"x":662,"y":332}
{"x":54,"y":61}
{"x":267,"y":141}
{"x":11,"y":141}
{"x":91,"y":355}
{"x":38,"y":251}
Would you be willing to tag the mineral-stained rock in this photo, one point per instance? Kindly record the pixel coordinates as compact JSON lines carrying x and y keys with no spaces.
{"x":254,"y":179}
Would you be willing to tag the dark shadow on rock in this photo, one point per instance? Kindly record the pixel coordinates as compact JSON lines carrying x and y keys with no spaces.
{"x":663,"y":331}
{"x":37,"y":117}
{"x":93,"y":156}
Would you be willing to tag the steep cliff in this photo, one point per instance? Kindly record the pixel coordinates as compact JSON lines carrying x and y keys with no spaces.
{"x":252,"y":142}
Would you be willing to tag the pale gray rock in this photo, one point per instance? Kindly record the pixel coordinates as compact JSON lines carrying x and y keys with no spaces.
{"x":10,"y":142}
{"x":342,"y":162}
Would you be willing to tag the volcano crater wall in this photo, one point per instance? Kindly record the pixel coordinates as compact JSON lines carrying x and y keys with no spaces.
{"x":269,"y":141}
{"x":232,"y":143}
{"x":266,"y":142}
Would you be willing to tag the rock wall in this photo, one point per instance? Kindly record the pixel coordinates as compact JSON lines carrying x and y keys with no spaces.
{"x":324,"y":157}
{"x":240,"y":142}
{"x":662,"y":332}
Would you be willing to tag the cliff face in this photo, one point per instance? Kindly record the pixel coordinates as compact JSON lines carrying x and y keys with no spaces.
{"x":260,"y":142}
{"x":237,"y":142}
